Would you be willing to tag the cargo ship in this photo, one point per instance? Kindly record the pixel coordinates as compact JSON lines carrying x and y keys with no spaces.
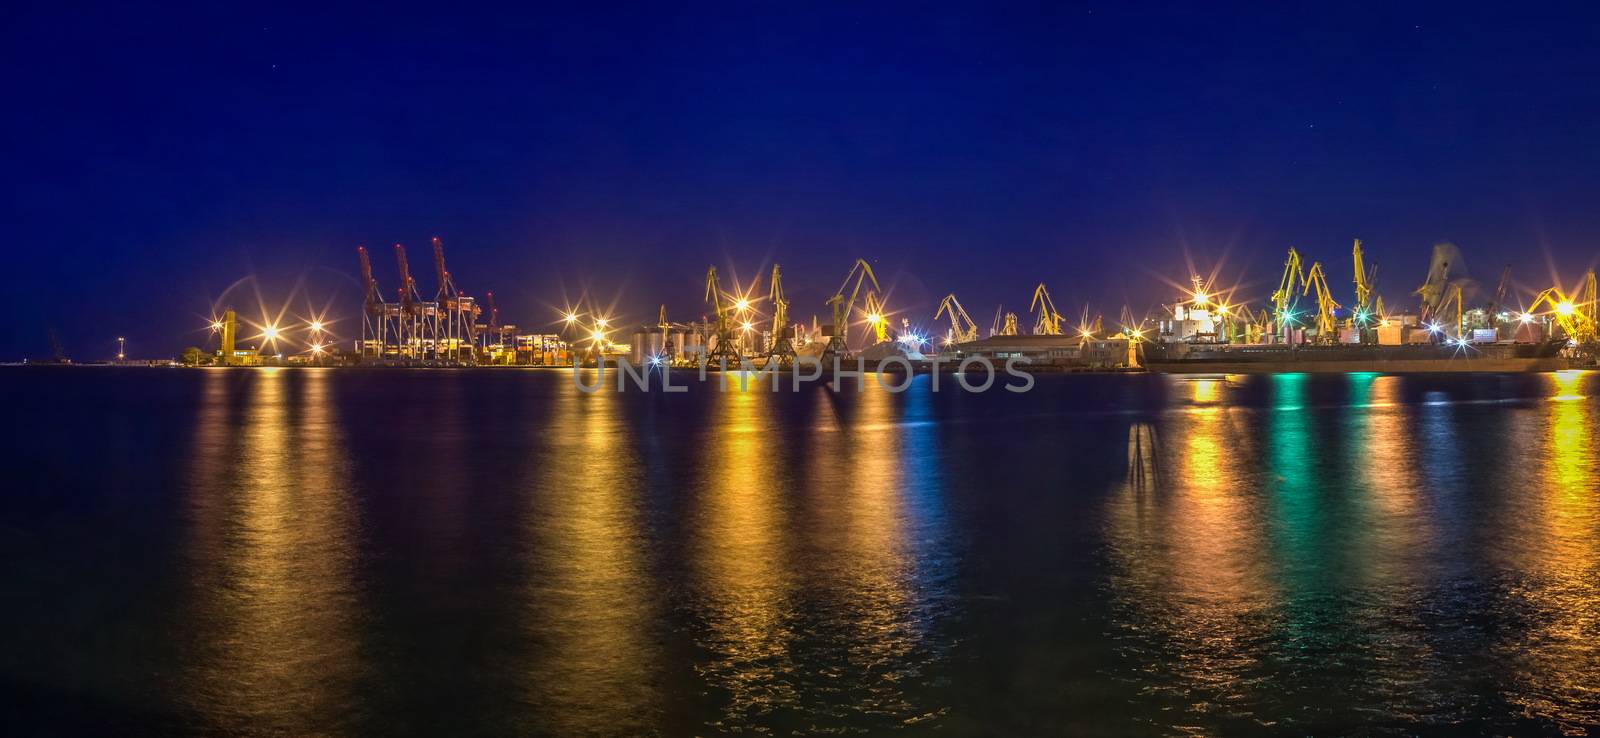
{"x":1220,"y":358}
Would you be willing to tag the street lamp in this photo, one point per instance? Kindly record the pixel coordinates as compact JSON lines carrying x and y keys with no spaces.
{"x":120,"y":344}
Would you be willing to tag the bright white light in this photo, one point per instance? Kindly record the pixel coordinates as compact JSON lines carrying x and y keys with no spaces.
{"x":1525,"y":318}
{"x":270,"y":333}
{"x":741,"y":305}
{"x":600,"y":322}
{"x":316,"y":326}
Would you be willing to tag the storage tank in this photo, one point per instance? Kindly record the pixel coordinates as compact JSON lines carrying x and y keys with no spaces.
{"x":646,"y":345}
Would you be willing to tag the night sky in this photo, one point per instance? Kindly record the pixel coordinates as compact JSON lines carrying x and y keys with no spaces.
{"x":155,"y":157}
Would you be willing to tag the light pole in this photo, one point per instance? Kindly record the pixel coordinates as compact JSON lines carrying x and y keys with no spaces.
{"x":121,"y":342}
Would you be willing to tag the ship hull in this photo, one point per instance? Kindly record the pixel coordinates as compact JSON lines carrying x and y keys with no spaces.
{"x":1235,"y":359}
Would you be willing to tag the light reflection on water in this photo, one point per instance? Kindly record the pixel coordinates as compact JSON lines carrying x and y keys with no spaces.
{"x":588,"y":608}
{"x":1555,"y":578}
{"x":494,"y":552}
{"x":742,"y":558}
{"x":1339,"y":562}
{"x":271,"y":561}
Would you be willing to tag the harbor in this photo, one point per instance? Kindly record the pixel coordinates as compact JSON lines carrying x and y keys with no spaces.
{"x":1448,"y":324}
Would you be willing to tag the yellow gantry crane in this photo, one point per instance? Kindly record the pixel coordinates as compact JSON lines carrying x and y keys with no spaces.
{"x":1284,"y":298}
{"x":1317,"y":280}
{"x":962,"y":328}
{"x":782,"y":350}
{"x":860,"y":272}
{"x":723,"y":330}
{"x":1049,"y":321}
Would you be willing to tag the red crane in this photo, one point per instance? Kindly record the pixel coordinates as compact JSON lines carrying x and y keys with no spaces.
{"x":408,"y":286}
{"x":374,"y":298}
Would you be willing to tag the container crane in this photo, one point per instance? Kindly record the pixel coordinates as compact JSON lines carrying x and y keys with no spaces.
{"x":1317,"y":281}
{"x":723,"y":331}
{"x":413,"y":332}
{"x":1049,"y":321}
{"x":962,"y":327}
{"x":457,"y":329}
{"x":1283,"y":300}
{"x":782,"y":350}
{"x":375,"y":318}
{"x":860,"y":272}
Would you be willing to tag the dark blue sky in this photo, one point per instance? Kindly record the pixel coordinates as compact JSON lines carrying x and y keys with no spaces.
{"x":157,"y":156}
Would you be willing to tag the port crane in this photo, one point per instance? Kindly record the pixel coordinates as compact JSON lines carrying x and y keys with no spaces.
{"x":460,"y":314}
{"x":877,"y":317}
{"x":1588,"y":307}
{"x":375,"y":314}
{"x":782,"y":349}
{"x":1088,"y":329}
{"x":1575,"y":317}
{"x":1009,"y":327}
{"x":1316,"y":280}
{"x":413,"y":330}
{"x":1283,"y":300}
{"x":723,"y":330}
{"x":962,"y":327}
{"x":1365,"y":278}
{"x":1049,"y":321}
{"x":1492,"y":310}
{"x":860,"y":272}
{"x":494,"y":333}
{"x":1440,"y":288}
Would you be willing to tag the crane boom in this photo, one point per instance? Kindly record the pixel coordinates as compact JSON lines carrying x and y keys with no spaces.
{"x":446,"y":289}
{"x":374,"y":298}
{"x":408,"y":286}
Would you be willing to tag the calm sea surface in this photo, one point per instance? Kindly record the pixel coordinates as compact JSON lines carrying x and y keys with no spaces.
{"x":449,"y":552}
